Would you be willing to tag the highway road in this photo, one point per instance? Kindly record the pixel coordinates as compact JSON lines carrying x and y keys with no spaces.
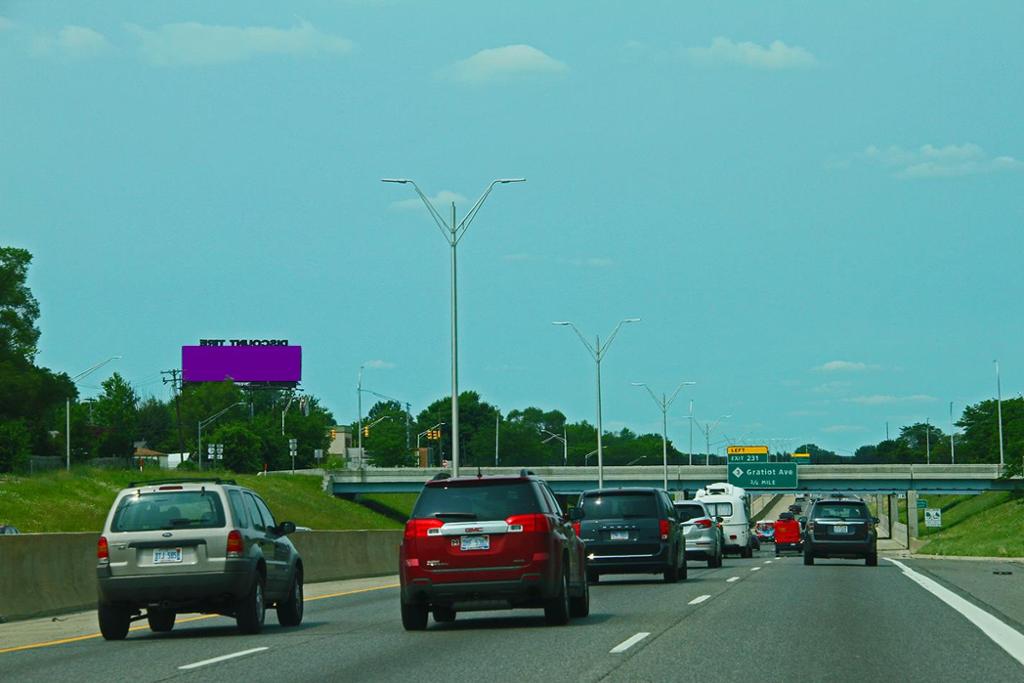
{"x":768,"y":618}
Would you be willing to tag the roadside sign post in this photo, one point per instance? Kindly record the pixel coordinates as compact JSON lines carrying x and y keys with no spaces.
{"x":763,"y":475}
{"x":293,"y":448}
{"x":933,"y":518}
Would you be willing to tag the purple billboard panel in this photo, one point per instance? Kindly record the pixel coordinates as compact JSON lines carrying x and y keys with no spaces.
{"x":241,"y":363}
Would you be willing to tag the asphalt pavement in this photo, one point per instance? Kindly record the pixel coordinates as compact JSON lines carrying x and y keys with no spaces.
{"x":773,"y":619}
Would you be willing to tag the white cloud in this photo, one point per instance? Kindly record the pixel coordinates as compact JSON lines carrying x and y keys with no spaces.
{"x":774,"y":57}
{"x":503,"y":64}
{"x":928,"y":161}
{"x":378,"y":364}
{"x":832,"y":387}
{"x":73,"y":42}
{"x":842,"y":429}
{"x":441,"y":200}
{"x":842,"y":366}
{"x":886,"y":399}
{"x":194,"y":44}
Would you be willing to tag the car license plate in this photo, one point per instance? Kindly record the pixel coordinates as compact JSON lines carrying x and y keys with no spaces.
{"x":620,"y":535}
{"x":166,"y":555}
{"x":475,"y":543}
{"x":841,"y":529}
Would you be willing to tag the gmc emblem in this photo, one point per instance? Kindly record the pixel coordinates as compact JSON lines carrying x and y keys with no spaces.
{"x":474,"y":529}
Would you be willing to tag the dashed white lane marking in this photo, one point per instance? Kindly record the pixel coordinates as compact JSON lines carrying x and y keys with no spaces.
{"x":205,"y":662}
{"x":767,"y":561}
{"x":754,"y":569}
{"x":698,"y":600}
{"x":1001,"y":634}
{"x":734,"y":578}
{"x":628,"y":643}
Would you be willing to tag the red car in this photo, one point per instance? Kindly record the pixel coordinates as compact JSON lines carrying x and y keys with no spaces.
{"x":787,"y":534}
{"x":476,"y":543}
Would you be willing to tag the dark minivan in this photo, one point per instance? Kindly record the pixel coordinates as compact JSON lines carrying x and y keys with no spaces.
{"x":841,"y":527}
{"x":631,"y":531}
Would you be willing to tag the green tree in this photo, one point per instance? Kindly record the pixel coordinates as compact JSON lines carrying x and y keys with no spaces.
{"x":155,"y":425}
{"x":386,"y":443}
{"x":14,"y":445}
{"x":243,"y":448}
{"x":116,"y":412}
{"x":19,"y":310}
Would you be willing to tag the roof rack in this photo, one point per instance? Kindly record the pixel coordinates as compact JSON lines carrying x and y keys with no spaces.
{"x":183,"y":480}
{"x":441,"y":475}
{"x":526,"y":473}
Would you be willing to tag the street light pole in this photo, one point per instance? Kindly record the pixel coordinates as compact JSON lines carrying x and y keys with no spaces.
{"x":359,"y":407}
{"x":952,"y":429}
{"x":691,"y":434}
{"x":597,"y":352}
{"x":67,"y":407}
{"x":999,"y":409}
{"x":453,"y":234}
{"x":928,"y":441}
{"x":663,"y":404}
{"x":563,"y":439}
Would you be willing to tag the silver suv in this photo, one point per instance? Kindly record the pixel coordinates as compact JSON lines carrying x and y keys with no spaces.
{"x":195,"y":545}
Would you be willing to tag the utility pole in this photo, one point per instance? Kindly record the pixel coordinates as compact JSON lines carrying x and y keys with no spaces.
{"x":175,"y":381}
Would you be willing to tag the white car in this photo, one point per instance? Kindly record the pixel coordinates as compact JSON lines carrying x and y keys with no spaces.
{"x":735,"y":523}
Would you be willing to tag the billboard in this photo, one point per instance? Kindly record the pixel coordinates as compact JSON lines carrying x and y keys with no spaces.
{"x":242,"y":363}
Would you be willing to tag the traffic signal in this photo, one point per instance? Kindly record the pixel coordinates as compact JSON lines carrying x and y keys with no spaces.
{"x":366,"y":431}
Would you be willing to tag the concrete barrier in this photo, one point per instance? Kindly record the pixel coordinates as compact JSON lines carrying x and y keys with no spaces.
{"x":43,"y":574}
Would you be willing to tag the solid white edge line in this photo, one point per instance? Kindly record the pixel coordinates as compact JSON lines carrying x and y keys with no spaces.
{"x":196,"y":665}
{"x":754,"y":569}
{"x":731,"y":579}
{"x":698,"y":600}
{"x":999,"y":632}
{"x":628,"y":643}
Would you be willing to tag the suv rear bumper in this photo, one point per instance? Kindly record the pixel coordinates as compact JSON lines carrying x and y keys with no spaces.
{"x":176,"y":590}
{"x":529,"y":589}
{"x":841,"y":549}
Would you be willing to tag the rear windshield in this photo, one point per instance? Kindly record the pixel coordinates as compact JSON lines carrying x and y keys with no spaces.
{"x":688,"y":512}
{"x":719,"y":509}
{"x":620,"y":506}
{"x":479,"y":501}
{"x":840,"y":511}
{"x":169,"y":510}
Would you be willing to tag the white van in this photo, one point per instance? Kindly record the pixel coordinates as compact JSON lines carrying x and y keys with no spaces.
{"x":735,"y":521}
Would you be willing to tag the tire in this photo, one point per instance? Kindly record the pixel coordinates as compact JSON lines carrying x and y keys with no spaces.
{"x":579,"y":606}
{"x":712,"y":562}
{"x":160,"y":620}
{"x":593,"y":576}
{"x":289,"y":611}
{"x":871,"y":560}
{"x":114,"y":621}
{"x":684,"y":571}
{"x":671,"y":574}
{"x":414,"y":616}
{"x":556,"y":611}
{"x":444,"y":615}
{"x":747,"y":552}
{"x":251,"y":610}
{"x":808,"y":558}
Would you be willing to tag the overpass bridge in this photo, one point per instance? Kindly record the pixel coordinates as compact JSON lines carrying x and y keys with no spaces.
{"x":866,"y":479}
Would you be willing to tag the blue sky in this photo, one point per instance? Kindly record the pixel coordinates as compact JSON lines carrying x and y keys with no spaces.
{"x":815,"y":208}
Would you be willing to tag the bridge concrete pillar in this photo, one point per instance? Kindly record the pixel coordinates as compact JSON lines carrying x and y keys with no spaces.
{"x":912,"y":513}
{"x":894,"y":513}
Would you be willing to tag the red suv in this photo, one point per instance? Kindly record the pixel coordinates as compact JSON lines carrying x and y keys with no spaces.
{"x":484,"y":543}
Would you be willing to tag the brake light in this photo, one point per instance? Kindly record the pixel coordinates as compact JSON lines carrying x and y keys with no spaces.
{"x":170,"y":488}
{"x":235,"y":546}
{"x":663,"y":527}
{"x":103,"y":551}
{"x":421,"y":528}
{"x":703,"y":523}
{"x":528,"y":523}
{"x":576,"y":528}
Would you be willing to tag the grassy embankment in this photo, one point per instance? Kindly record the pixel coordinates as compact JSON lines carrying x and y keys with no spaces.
{"x":79,"y":500}
{"x":984,"y":525}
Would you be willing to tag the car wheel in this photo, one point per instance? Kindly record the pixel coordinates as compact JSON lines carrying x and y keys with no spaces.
{"x":414,"y":616}
{"x":671,"y":574}
{"x":556,"y":611}
{"x":579,"y":606}
{"x":871,"y":560}
{"x":593,"y":576}
{"x":114,"y":621}
{"x":444,"y":615}
{"x":683,"y":571}
{"x":808,"y":558}
{"x":712,"y":562}
{"x":160,"y":620}
{"x":252,"y":610}
{"x":747,"y":552}
{"x":289,"y":612}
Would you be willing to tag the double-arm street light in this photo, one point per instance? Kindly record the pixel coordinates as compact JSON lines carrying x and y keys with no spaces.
{"x":597,"y":352}
{"x":664,"y":404}
{"x":67,"y":406}
{"x":206,"y":422}
{"x":565,"y":443}
{"x":453,"y":233}
{"x":706,"y":428}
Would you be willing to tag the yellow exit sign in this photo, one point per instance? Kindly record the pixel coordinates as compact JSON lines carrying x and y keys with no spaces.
{"x":747,"y":450}
{"x":801,"y":455}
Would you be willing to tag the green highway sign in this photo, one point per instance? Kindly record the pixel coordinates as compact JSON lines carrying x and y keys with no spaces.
{"x":922,"y":503}
{"x":747,"y":457}
{"x":766,"y":475}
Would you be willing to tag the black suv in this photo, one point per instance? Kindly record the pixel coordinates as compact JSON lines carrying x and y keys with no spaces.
{"x":631,"y":531}
{"x":479,"y":543}
{"x":839,"y":526}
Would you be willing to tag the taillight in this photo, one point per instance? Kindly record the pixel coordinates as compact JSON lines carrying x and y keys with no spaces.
{"x":527,"y":523}
{"x":703,"y":523}
{"x":421,"y":528}
{"x":235,"y":546}
{"x":576,"y":528}
{"x":103,"y":551}
{"x":663,"y":527}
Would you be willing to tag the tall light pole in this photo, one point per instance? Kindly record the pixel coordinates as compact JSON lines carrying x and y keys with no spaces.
{"x":597,"y":352}
{"x":928,"y":440}
{"x":708,"y":426}
{"x":453,"y":234}
{"x":664,"y":404}
{"x":565,"y":443}
{"x":67,"y":407}
{"x":999,"y":409}
{"x":952,"y":429}
{"x":691,"y":433}
{"x":359,"y":407}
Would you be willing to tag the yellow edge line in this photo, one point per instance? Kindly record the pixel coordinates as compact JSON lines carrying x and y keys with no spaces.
{"x":76,"y":639}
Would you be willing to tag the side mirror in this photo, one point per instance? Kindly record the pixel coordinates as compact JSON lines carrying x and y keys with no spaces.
{"x":719,"y":519}
{"x":285,"y":528}
{"x":875,"y":520}
{"x":803,"y":521}
{"x":576,"y":514}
